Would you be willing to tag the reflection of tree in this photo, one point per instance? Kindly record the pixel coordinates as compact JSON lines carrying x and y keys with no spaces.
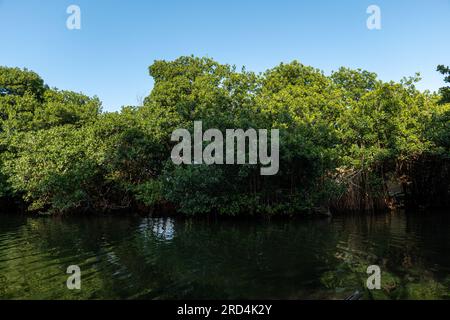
{"x":161,"y":258}
{"x":387,"y":241}
{"x":124,"y":257}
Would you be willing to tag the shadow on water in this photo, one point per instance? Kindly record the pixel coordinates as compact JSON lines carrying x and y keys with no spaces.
{"x":165,"y":258}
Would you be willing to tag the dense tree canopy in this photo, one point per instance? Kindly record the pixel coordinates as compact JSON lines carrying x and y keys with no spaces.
{"x":347,"y":141}
{"x":445,"y":91}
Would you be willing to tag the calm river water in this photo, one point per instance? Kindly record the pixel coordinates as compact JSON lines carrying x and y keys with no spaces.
{"x":163,"y":258}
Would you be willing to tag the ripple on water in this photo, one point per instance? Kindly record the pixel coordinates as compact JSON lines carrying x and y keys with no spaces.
{"x":128,"y":257}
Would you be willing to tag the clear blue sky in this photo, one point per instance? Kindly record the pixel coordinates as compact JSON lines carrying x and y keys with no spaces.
{"x":110,"y":55}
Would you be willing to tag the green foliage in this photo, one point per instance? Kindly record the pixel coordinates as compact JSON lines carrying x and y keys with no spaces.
{"x":438,"y":129}
{"x":17,"y":82}
{"x":341,"y":136}
{"x":27,"y":105}
{"x":445,"y":91}
{"x":66,"y":107}
{"x":195,"y":189}
{"x":56,"y":168}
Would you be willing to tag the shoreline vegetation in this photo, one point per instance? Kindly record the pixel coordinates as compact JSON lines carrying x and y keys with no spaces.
{"x":348,"y":142}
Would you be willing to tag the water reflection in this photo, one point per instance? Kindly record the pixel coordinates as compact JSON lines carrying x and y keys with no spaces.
{"x":163,"y":258}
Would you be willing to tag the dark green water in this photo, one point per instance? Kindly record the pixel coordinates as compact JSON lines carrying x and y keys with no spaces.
{"x":155,"y":258}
